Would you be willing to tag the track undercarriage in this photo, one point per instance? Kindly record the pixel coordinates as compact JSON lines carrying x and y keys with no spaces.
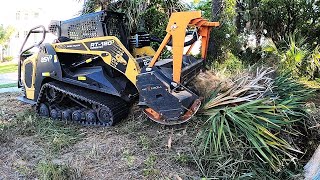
{"x":66,"y":102}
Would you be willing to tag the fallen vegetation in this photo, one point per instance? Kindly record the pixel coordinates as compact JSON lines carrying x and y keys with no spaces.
{"x":254,"y":128}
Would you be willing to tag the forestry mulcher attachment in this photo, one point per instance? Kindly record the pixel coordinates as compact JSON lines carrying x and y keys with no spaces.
{"x":95,"y":71}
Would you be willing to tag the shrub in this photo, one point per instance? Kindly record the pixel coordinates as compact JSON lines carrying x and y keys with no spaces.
{"x":295,"y":57}
{"x":231,"y":64}
{"x":7,"y":58}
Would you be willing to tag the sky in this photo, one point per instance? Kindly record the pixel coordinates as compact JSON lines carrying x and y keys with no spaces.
{"x":54,"y":9}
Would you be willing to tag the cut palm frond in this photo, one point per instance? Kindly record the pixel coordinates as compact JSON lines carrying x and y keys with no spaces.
{"x":256,"y":110}
{"x":250,"y":86}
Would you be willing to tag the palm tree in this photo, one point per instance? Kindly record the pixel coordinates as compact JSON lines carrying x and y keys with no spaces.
{"x":135,"y":10}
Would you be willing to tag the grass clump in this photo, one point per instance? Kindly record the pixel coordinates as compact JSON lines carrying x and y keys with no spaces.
{"x":47,"y":170}
{"x":128,"y":157}
{"x":182,"y":158}
{"x":144,"y":141}
{"x":5,"y":135}
{"x":149,"y":163}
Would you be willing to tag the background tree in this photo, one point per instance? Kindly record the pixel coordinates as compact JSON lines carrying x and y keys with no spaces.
{"x":279,"y":18}
{"x":5,"y":34}
{"x":142,"y":15}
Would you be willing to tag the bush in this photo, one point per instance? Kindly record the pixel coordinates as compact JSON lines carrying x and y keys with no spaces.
{"x":231,"y":64}
{"x":7,"y":58}
{"x":294,"y":56}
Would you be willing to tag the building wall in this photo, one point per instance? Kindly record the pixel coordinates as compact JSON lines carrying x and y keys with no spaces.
{"x":23,"y":15}
{"x":22,"y":20}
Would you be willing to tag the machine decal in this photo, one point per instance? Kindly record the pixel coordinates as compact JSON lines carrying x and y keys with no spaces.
{"x":74,"y":46}
{"x":55,"y":58}
{"x":100,"y":44}
{"x":119,"y":57}
{"x":46,"y":74}
{"x":46,"y":59}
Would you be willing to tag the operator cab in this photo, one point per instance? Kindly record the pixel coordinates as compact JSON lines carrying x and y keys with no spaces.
{"x":98,"y":24}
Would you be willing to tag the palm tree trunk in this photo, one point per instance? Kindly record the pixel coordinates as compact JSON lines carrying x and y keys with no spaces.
{"x":215,"y":16}
{"x":216,"y":9}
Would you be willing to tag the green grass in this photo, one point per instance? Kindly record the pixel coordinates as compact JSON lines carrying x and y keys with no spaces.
{"x":8,"y":68}
{"x":128,"y":157}
{"x":150,"y":163}
{"x":8,"y":85}
{"x":144,"y":141}
{"x":48,"y":170}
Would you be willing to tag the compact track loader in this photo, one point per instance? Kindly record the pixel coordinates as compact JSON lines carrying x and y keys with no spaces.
{"x":95,"y":71}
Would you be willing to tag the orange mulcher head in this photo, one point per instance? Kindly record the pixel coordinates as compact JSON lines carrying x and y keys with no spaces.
{"x":155,"y":116}
{"x":162,"y":85}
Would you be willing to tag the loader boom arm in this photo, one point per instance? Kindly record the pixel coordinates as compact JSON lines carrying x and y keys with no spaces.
{"x":176,"y":30}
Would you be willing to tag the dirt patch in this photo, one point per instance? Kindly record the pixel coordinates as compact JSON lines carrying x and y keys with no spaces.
{"x":10,"y":107}
{"x":135,"y":148}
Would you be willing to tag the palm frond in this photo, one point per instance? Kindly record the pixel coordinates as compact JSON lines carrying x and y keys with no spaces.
{"x":248,"y":87}
{"x":256,"y":111}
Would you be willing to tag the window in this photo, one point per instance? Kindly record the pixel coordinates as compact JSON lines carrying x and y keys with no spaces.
{"x":17,"y":35}
{"x":25,"y":33}
{"x":25,"y":16}
{"x":36,"y":15}
{"x":18,"y":15}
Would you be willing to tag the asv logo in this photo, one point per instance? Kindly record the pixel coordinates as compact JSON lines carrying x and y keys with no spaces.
{"x":99,"y":45}
{"x":46,"y":59}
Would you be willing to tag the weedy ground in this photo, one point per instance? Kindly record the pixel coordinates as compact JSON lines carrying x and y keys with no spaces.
{"x":33,"y":147}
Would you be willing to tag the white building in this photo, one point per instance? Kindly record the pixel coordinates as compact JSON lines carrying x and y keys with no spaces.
{"x":22,"y":21}
{"x":24,"y":15}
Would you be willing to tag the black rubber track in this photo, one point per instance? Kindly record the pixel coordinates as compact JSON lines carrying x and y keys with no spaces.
{"x":118,"y":107}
